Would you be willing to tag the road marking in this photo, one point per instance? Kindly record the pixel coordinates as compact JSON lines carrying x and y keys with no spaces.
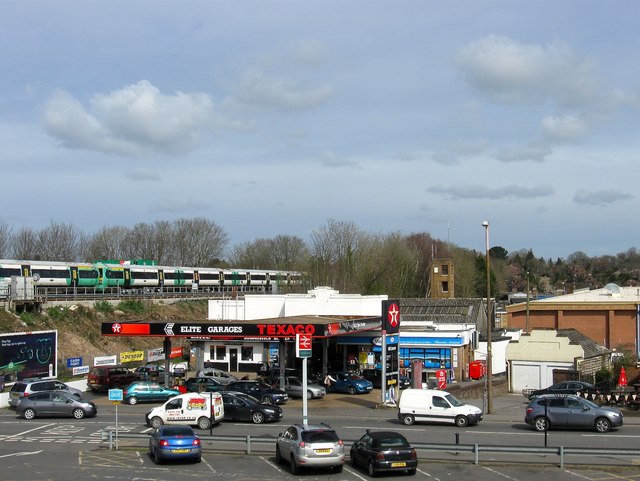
{"x":356,"y":474}
{"x":497,"y":472}
{"x":23,"y":453}
{"x":428,"y":475}
{"x":29,"y":431}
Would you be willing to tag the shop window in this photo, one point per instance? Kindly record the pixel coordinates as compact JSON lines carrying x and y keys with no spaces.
{"x":218,"y":353}
{"x":247,"y":353}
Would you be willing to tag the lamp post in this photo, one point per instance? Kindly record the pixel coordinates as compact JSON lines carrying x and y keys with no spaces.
{"x":489,"y":377}
{"x":526,"y":324}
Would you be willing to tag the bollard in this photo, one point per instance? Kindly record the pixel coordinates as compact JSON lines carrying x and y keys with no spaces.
{"x":457,"y":438}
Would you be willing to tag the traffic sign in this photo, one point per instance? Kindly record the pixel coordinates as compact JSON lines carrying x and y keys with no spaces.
{"x":116,"y":394}
{"x":303,"y":345}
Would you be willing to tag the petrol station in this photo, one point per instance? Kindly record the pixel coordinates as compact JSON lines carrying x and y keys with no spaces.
{"x":324,"y":332}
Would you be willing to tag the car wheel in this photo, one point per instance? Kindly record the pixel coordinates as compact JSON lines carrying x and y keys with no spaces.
{"x":370,"y":469}
{"x":155,"y":422}
{"x":352,"y":390}
{"x":156,"y":458}
{"x":603,"y":425}
{"x":309,"y":395}
{"x":198,"y":459}
{"x":352,"y":458}
{"x":29,"y":413}
{"x":408,"y":419}
{"x":294,"y":466}
{"x":411,"y":472}
{"x":133,"y":400}
{"x":541,"y":424}
{"x":78,"y":413}
{"x":462,"y":421}
{"x":267,"y":399}
{"x":204,"y":422}
{"x":257,"y":417}
{"x":278,"y":455}
{"x":337,"y":469}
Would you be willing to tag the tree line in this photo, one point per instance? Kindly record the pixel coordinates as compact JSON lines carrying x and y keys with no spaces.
{"x":338,"y":254}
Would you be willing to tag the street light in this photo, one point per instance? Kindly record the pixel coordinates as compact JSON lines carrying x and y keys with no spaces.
{"x":489,"y":377}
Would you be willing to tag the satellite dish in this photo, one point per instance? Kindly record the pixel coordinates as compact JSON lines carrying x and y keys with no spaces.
{"x":36,"y":277}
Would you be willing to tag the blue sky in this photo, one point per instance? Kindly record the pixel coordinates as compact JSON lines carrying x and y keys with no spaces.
{"x":271,"y":117}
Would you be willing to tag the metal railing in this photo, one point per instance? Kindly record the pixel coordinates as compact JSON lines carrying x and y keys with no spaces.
{"x":250,"y":444}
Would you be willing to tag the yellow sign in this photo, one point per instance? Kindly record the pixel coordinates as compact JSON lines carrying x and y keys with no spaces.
{"x":134,"y":356}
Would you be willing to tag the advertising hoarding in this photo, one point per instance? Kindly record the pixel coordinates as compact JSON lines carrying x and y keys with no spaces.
{"x":28,"y":354}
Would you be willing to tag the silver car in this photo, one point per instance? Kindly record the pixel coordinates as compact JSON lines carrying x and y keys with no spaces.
{"x":561,"y":411}
{"x":55,"y":403}
{"x":293,"y":387}
{"x":310,"y":446}
{"x":218,"y":375}
{"x":29,"y":386}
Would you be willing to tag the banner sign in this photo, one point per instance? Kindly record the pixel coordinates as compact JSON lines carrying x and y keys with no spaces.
{"x":74,"y":362}
{"x":133,"y":356}
{"x":175,"y":352}
{"x":391,"y":316}
{"x":29,"y":354}
{"x":105,"y":361}
{"x":235,"y":330}
{"x":80,"y":370}
{"x":156,"y":354}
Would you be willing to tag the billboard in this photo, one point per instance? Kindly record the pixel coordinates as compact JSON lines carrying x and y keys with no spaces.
{"x":28,"y":354}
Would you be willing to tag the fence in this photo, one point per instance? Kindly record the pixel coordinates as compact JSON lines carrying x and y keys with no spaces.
{"x":250,"y":444}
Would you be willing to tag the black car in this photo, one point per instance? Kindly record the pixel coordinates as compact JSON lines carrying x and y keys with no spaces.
{"x":259,"y":390}
{"x":203,"y":384}
{"x":566,"y":387}
{"x":384,"y":451}
{"x":242,"y":407}
{"x":375,"y":376}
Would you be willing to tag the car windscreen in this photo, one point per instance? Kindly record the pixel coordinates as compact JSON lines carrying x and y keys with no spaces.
{"x":454,"y":401}
{"x":177,"y":431}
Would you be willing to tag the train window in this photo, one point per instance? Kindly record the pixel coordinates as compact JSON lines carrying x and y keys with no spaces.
{"x":51,"y":273}
{"x":9,"y":271}
{"x":87,"y":274}
{"x":111,"y":274}
{"x":143,"y":275}
{"x":208,"y":277}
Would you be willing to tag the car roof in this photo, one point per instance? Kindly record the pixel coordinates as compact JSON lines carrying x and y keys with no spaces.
{"x":384,"y":434}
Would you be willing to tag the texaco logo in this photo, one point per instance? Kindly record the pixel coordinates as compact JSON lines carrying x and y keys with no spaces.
{"x":116,"y":328}
{"x":393,"y":315}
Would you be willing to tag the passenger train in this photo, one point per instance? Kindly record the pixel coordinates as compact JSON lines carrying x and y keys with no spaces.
{"x":136,"y":274}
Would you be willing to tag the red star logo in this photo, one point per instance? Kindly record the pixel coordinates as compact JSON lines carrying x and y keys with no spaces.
{"x":393,"y":313}
{"x":116,"y":328}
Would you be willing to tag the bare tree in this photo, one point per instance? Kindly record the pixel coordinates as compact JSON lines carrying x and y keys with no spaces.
{"x":5,"y":239}
{"x":25,"y":244}
{"x":139,"y":243}
{"x":252,"y":255}
{"x":288,"y":253}
{"x":107,"y":243}
{"x":59,"y":242}
{"x":198,"y":242}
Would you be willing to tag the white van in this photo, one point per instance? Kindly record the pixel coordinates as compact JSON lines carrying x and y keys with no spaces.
{"x":432,"y":405}
{"x":195,"y":409}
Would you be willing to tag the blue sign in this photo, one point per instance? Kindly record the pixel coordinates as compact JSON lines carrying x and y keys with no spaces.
{"x":116,"y":394}
{"x":74,"y":362}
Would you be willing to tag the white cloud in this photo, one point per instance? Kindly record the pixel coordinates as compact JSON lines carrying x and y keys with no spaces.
{"x":139,"y":175}
{"x":476,"y":191}
{"x":600,"y":197}
{"x":533,"y":151}
{"x":565,"y":128}
{"x":510,"y":71}
{"x":133,"y":120}
{"x":284,"y":93}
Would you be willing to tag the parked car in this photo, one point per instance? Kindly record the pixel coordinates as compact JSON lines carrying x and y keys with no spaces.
{"x":566,"y":387}
{"x":294,"y":388}
{"x":218,"y":375}
{"x":310,"y":446}
{"x":55,"y":403}
{"x":24,"y":388}
{"x":194,"y":409}
{"x":175,"y":442}
{"x":349,"y":383}
{"x":570,"y":411}
{"x":384,"y":451}
{"x":259,"y":390}
{"x":150,"y":371}
{"x":144,"y":391}
{"x":203,"y":384}
{"x":242,"y":407}
{"x":103,"y":378}
{"x":375,"y":376}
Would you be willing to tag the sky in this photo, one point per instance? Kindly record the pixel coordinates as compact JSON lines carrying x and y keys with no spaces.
{"x":274,"y":117}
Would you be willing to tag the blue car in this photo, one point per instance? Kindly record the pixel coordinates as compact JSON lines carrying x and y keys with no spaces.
{"x":175,"y":442}
{"x":349,"y":383}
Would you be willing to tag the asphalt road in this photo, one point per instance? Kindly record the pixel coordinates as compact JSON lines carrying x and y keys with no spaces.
{"x":64,"y":449}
